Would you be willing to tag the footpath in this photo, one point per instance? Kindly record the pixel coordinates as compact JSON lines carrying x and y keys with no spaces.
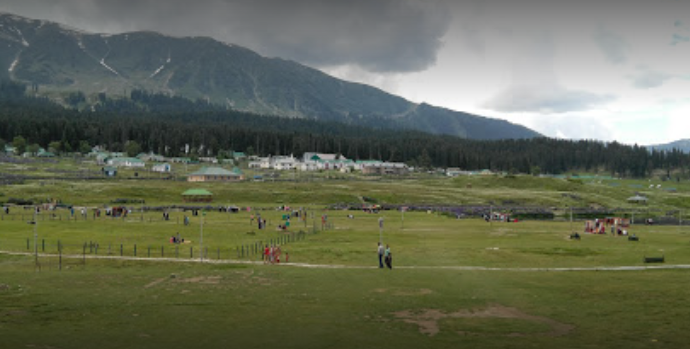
{"x":337,"y":266}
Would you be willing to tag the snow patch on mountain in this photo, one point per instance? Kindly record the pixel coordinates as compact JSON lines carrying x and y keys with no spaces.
{"x":108,"y":67}
{"x":14,"y":64}
{"x":26,"y":44}
{"x":157,"y":71}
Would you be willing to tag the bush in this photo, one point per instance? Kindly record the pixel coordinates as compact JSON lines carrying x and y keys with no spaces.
{"x":20,"y":202}
{"x":533,"y":216}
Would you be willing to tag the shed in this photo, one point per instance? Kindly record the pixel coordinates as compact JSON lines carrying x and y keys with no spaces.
{"x":197,"y":195}
{"x":109,"y":171}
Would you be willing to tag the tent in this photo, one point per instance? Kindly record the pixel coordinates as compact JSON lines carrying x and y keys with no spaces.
{"x":197,"y":195}
{"x":637,"y":199}
{"x":595,"y":227}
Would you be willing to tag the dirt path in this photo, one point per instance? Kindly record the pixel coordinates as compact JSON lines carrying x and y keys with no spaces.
{"x":337,"y":266}
{"x":428,"y":320}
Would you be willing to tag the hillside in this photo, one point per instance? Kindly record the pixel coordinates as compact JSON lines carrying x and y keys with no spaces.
{"x":682,"y":145}
{"x":57,"y":60}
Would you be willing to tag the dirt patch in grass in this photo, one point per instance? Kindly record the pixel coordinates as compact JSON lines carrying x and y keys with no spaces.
{"x":155,"y":282}
{"x":209,"y":280}
{"x":428,"y":320}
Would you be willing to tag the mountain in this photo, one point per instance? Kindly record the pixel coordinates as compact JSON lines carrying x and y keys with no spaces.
{"x":56,"y":60}
{"x":682,"y":145}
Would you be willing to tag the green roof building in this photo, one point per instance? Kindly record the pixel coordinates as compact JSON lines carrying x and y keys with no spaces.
{"x":197,"y":195}
{"x":215,"y":174}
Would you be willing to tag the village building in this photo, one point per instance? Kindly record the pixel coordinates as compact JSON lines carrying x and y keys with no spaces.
{"x":260,"y":163}
{"x":238,"y":155}
{"x":308,"y":166}
{"x":211,"y":160}
{"x":328,"y":165}
{"x":385,"y":168}
{"x":126,"y":162}
{"x":42,"y":153}
{"x":215,"y":174}
{"x":359,"y":164}
{"x":109,"y":171}
{"x":284,"y":163}
{"x":162,"y":168}
{"x":151,"y":157}
{"x":180,"y":160}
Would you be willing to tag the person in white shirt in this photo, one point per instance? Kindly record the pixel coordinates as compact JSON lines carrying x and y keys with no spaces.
{"x":380,"y":252}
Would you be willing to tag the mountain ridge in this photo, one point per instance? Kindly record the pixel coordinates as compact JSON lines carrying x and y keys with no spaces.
{"x":681,"y":144}
{"x":56,"y":59}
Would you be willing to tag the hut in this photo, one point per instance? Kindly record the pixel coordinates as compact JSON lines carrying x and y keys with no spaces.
{"x":109,"y":171}
{"x":197,"y":195}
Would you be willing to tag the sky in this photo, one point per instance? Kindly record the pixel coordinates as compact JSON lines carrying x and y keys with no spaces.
{"x":608,"y":70}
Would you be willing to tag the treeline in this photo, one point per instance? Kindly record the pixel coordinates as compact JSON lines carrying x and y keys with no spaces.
{"x":150,"y":122}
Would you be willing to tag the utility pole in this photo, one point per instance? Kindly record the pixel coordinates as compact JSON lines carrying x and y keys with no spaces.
{"x":491,"y":215}
{"x":35,"y":223}
{"x":201,"y":237}
{"x":402,"y":218}
{"x":381,"y":230}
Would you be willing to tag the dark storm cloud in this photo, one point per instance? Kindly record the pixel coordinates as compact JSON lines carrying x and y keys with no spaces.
{"x":646,"y":78}
{"x":381,"y":35}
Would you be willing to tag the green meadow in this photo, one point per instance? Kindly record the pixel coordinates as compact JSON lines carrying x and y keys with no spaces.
{"x":454,"y":283}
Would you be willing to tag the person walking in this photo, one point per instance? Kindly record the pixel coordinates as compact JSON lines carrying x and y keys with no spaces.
{"x":389,"y":257}
{"x":380,"y":253}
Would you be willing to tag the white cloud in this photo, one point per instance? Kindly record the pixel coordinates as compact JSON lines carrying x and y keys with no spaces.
{"x":545,"y":99}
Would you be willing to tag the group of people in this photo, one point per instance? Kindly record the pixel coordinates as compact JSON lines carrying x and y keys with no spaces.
{"x":272,"y":254}
{"x":176,"y":239}
{"x":261,"y":222}
{"x":385,"y":256}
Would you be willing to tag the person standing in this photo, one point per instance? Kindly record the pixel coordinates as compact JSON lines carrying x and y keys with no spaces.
{"x":380,"y":253}
{"x":389,"y":257}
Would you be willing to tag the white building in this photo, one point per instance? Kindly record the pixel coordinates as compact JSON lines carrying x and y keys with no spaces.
{"x":284,"y":163}
{"x":126,"y":162}
{"x":162,"y":168}
{"x":260,"y":163}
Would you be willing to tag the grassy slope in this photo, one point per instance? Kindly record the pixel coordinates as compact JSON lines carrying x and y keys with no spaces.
{"x":113,"y":304}
{"x":422,"y":189}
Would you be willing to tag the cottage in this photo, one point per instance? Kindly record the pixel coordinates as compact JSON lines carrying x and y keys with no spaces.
{"x":42,"y":153}
{"x":109,"y":171}
{"x":284,"y":163}
{"x":359,"y":165}
{"x":385,"y":168}
{"x":151,"y":157}
{"x":162,"y":168}
{"x":197,"y":195}
{"x":238,"y":155}
{"x":215,"y":174}
{"x":260,"y":163}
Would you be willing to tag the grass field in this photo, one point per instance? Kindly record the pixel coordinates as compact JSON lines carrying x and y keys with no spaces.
{"x":344,"y":300}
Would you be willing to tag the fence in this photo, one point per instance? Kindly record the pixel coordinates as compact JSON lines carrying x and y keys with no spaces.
{"x":50,"y":252}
